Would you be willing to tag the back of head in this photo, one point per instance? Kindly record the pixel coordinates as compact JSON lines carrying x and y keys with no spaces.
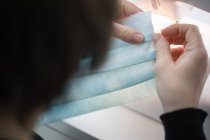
{"x":41,"y":44}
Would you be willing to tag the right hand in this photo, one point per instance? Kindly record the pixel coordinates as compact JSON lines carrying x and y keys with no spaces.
{"x":180,"y":80}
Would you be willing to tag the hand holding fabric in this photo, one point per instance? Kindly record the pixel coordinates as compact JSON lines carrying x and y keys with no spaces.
{"x":122,"y":32}
{"x":180,"y":73}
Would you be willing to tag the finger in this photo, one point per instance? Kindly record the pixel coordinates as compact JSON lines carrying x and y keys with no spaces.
{"x":126,"y":9}
{"x":183,"y":33}
{"x":127,"y":34}
{"x":162,"y":47}
{"x":176,"y":40}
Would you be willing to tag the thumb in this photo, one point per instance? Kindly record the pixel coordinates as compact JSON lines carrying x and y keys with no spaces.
{"x":162,"y":47}
{"x":127,"y":34}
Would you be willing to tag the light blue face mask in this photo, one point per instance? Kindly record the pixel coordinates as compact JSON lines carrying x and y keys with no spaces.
{"x":126,"y":75}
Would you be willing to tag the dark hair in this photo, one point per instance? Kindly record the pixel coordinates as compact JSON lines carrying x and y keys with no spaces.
{"x":42,"y":42}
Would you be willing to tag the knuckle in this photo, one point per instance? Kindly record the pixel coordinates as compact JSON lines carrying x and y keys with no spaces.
{"x":126,"y":35}
{"x":122,"y":32}
{"x":194,"y":28}
{"x":203,"y":54}
{"x":162,"y":52}
{"x":161,"y":49}
{"x":202,"y":57}
{"x":159,"y":65}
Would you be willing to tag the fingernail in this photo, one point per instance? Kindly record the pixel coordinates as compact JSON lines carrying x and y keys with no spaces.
{"x":156,"y":37}
{"x":138,"y":38}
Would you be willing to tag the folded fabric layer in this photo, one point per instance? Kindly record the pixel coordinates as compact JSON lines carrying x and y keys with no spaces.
{"x":124,"y":77}
{"x":102,"y":83}
{"x":121,"y":57}
{"x":71,"y":109}
{"x":121,"y":69}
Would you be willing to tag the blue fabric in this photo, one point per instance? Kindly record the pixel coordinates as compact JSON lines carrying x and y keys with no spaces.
{"x":127,"y":75}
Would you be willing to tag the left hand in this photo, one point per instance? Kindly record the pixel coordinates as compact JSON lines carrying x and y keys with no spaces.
{"x":122,"y":32}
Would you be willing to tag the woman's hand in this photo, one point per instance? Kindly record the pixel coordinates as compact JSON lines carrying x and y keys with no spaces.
{"x":181,"y":73}
{"x":122,"y":32}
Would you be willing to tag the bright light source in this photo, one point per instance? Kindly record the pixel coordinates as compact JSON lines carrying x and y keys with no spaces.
{"x":195,"y":16}
{"x":160,"y":22}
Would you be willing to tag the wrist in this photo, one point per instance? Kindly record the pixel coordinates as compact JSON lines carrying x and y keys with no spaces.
{"x":179,"y":106}
{"x":179,"y":98}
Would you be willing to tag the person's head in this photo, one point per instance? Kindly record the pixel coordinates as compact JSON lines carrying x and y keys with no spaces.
{"x":42,"y":42}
